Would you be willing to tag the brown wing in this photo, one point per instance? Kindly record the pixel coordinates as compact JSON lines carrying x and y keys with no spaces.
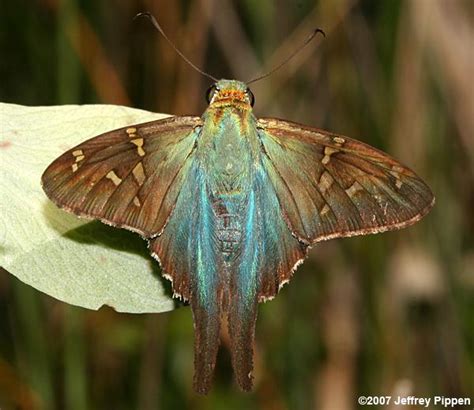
{"x":331,"y":186}
{"x":129,"y":177}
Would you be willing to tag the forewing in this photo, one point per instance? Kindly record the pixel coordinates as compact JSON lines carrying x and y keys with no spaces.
{"x":331,"y":186}
{"x":128,"y":177}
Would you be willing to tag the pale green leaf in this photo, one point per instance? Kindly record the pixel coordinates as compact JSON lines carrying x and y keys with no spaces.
{"x":74,"y":260}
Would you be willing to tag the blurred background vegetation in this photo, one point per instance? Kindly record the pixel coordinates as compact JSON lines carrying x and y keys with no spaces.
{"x":380,"y":315}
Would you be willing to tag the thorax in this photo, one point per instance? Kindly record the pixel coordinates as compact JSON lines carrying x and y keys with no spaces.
{"x":228,"y":149}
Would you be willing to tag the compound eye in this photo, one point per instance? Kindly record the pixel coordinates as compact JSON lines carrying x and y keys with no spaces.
{"x":210,"y":93}
{"x":251,"y":97}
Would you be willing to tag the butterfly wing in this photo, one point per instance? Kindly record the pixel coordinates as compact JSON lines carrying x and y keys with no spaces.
{"x":188,"y":253}
{"x":127,"y":178}
{"x":268,"y":255}
{"x":330,"y":186}
{"x":143,"y":178}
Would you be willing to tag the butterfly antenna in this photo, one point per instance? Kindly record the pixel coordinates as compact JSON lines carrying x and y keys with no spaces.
{"x":158,"y":27}
{"x":306,"y":42}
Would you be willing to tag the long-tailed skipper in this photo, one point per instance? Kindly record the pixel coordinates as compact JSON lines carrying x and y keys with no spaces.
{"x":230,"y":205}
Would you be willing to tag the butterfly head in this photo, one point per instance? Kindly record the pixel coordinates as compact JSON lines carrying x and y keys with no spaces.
{"x":230,"y":92}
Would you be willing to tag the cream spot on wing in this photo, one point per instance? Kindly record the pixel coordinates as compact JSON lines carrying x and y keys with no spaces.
{"x":339,"y":140}
{"x":136,"y":201}
{"x":325,"y":182}
{"x":139,"y":173}
{"x":328,"y":151}
{"x":355,"y":187}
{"x":131,"y":131}
{"x":139,"y":143}
{"x":79,"y":156}
{"x":114,"y":178}
{"x":396,"y":170}
{"x":381,"y":201}
{"x":325,"y":210}
{"x":378,"y":198}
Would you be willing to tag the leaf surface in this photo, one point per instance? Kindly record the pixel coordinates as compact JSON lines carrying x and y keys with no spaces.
{"x":80,"y":262}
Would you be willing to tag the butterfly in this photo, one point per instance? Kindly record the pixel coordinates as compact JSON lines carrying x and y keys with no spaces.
{"x":231,"y":204}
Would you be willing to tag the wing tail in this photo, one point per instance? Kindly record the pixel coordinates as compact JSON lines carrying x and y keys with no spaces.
{"x":206,"y":344}
{"x":242,"y":318}
{"x":242,"y":313}
{"x":189,"y":257}
{"x":269,"y":254}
